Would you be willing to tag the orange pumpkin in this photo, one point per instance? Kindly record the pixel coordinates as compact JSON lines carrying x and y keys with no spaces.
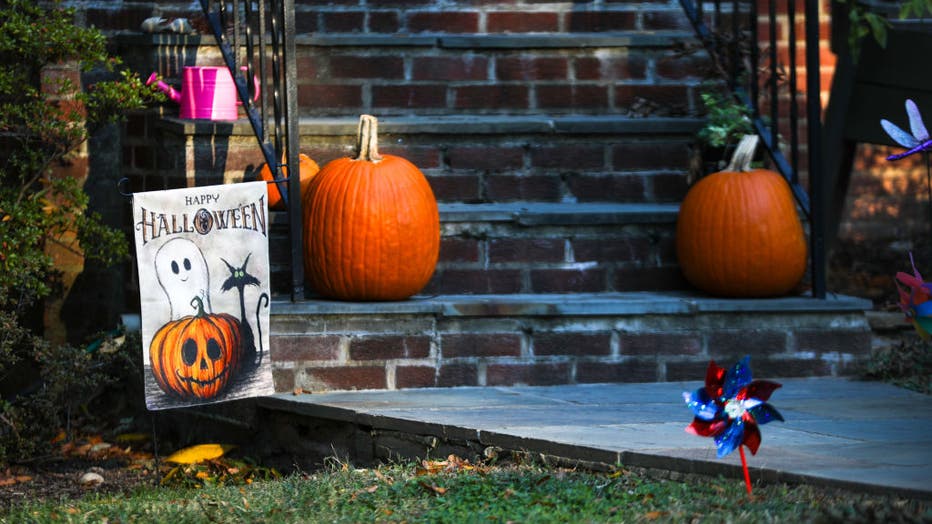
{"x":738,"y":233}
{"x":307,"y":169}
{"x":196,"y":357}
{"x":371,"y":225}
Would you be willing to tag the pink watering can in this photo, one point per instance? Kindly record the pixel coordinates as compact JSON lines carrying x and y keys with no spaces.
{"x":207,"y":92}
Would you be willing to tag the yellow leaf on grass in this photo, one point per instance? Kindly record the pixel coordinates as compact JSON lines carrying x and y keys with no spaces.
{"x":199,"y":453}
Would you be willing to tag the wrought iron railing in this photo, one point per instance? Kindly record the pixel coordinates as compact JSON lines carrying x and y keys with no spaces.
{"x":260,"y":37}
{"x":730,"y":33}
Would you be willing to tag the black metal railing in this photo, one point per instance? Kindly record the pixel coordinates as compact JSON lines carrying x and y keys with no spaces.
{"x":730,"y":32}
{"x":257,"y":40}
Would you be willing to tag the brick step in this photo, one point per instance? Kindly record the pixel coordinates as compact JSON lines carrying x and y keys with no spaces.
{"x":526,"y":247}
{"x":541,"y":339}
{"x":622,"y":70}
{"x":467,"y":158}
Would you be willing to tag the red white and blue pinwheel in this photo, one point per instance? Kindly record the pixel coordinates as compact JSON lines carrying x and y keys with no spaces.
{"x":915,"y":299}
{"x":730,"y":407}
{"x":916,"y":140}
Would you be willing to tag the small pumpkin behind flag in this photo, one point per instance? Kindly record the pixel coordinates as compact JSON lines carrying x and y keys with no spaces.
{"x":307,"y":169}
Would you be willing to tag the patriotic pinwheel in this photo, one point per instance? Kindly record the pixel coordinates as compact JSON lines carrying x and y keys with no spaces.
{"x":730,"y":407}
{"x":914,"y":301}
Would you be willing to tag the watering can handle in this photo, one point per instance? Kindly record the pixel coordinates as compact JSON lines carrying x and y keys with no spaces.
{"x":255,"y":81}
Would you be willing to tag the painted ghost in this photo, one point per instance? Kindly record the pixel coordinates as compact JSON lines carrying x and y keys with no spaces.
{"x":182,"y":272}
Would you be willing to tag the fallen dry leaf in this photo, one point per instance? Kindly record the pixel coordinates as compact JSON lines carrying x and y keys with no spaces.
{"x":198,"y":453}
{"x":433,"y":488}
{"x":654,"y":515}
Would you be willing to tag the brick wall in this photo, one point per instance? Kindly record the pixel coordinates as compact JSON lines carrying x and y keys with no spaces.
{"x":409,"y":351}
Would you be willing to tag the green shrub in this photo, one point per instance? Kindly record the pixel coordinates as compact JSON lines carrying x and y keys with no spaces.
{"x":45,"y":117}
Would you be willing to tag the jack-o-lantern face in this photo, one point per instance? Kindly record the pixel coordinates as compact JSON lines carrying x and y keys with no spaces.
{"x":196,"y":356}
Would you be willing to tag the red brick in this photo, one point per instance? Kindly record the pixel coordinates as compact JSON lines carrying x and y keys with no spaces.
{"x":391,"y":67}
{"x":344,"y":21}
{"x":293,"y":348}
{"x":598,"y":21}
{"x":527,"y":374}
{"x":384,"y":22}
{"x":459,"y":250}
{"x":660,"y":344}
{"x":668,"y":187}
{"x":415,"y":377}
{"x":648,"y":279}
{"x":445,"y":22}
{"x":283,"y":380}
{"x":608,"y":188}
{"x":322,"y":98}
{"x":424,"y":157}
{"x":631,"y":67}
{"x":671,"y":99}
{"x":491,"y":97}
{"x":653,"y":20}
{"x":521,"y":22}
{"x":628,"y":371}
{"x":454,"y":345}
{"x":123,"y":18}
{"x":501,"y":188}
{"x":453,"y":375}
{"x":572,"y":343}
{"x":568,"y":280}
{"x":726,"y":346}
{"x":834,"y":341}
{"x":365,"y":377}
{"x":678,"y":67}
{"x":389,"y":347}
{"x":526,"y":250}
{"x":409,"y":96}
{"x":306,"y":23}
{"x":650,"y":155}
{"x":450,"y":68}
{"x":526,"y":69}
{"x":692,"y":371}
{"x":485,"y":157}
{"x":455,"y":188}
{"x":609,"y":249}
{"x":572,"y":96}
{"x":483,"y":281}
{"x":568,"y":157}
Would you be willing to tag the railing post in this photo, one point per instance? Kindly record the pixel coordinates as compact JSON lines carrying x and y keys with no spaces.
{"x":816,"y":180}
{"x":293,"y":139}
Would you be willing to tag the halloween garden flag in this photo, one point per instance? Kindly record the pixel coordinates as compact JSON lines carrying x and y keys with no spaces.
{"x":203,"y":260}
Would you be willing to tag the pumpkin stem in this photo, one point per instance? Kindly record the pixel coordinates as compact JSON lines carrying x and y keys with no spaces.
{"x":367,"y":139}
{"x":198,"y":304}
{"x":744,"y":153}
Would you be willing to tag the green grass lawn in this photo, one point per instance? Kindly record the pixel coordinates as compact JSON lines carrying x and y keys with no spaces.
{"x":455,"y":491}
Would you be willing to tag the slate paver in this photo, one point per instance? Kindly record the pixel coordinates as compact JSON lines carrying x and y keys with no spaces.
{"x":841,"y":432}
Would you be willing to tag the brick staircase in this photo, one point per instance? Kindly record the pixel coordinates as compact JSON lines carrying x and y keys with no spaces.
{"x":556,"y":140}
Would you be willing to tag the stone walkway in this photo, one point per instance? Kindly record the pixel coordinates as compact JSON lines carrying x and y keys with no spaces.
{"x":866,"y":436}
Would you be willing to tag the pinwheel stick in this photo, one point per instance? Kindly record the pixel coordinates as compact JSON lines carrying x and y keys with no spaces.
{"x":744,"y":466}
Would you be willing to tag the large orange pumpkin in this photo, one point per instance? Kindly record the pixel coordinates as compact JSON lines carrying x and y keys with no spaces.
{"x":371,"y":225}
{"x":738,"y":233}
{"x":307,"y":169}
{"x":196,"y":356}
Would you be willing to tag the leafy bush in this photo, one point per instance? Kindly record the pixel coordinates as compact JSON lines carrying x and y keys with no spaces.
{"x":44,"y":117}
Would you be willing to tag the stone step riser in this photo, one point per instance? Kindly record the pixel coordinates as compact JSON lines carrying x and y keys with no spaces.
{"x":346,"y":351}
{"x":537,"y":252}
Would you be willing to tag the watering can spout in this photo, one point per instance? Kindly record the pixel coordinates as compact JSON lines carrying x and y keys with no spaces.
{"x":174,"y":95}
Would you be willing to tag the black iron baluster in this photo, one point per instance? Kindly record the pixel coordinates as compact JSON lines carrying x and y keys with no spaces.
{"x":774,"y":73}
{"x":794,"y":99}
{"x":293,"y":137}
{"x":814,"y":121}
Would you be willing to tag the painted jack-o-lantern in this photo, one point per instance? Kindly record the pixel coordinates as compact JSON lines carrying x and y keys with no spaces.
{"x":196,"y":356}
